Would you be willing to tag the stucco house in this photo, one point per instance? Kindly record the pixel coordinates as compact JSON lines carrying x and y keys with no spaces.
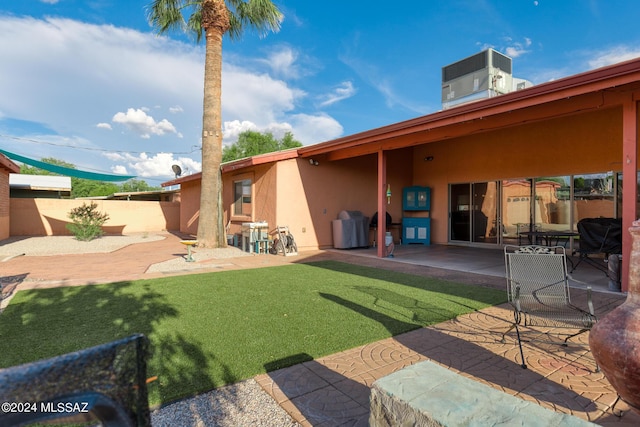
{"x":7,"y":167}
{"x":547,"y":155}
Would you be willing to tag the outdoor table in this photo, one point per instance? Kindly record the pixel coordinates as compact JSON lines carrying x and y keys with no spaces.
{"x":189,"y":244}
{"x":547,"y":238}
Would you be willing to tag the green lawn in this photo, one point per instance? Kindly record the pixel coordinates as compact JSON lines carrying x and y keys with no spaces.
{"x":207,"y":330}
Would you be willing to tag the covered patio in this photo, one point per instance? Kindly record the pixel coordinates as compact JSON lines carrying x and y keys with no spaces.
{"x":536,"y":160}
{"x":465,"y":262}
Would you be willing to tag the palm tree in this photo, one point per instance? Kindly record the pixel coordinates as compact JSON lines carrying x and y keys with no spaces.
{"x":213,"y":18}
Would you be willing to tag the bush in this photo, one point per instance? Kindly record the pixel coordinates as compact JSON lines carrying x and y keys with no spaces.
{"x":87,"y":222}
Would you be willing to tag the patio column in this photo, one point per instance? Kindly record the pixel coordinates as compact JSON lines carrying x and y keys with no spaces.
{"x":629,"y":177}
{"x":382,"y":207}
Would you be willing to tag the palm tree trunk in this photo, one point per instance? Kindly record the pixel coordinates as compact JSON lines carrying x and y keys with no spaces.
{"x":211,"y":231}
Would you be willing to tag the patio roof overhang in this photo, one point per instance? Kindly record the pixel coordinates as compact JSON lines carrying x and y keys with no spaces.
{"x":602,"y":88}
{"x":240,"y":164}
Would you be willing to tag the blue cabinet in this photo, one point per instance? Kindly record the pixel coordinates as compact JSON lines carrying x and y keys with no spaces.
{"x":416,"y":198}
{"x":416,"y":227}
{"x":416,"y":230}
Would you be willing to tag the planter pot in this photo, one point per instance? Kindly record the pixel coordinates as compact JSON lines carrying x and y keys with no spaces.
{"x":615,"y":339}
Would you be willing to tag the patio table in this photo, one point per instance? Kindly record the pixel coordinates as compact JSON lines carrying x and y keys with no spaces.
{"x":547,"y":238}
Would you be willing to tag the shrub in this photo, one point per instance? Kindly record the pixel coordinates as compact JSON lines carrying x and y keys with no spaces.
{"x":87,"y":222}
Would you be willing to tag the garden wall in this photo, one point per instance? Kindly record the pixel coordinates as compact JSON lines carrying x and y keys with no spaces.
{"x":48,"y":217}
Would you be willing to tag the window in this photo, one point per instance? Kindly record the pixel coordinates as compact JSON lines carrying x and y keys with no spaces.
{"x":242,"y":198}
{"x":593,"y":196}
{"x":553,"y":203}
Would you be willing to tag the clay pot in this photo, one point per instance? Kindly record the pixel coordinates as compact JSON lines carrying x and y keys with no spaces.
{"x":615,"y":339}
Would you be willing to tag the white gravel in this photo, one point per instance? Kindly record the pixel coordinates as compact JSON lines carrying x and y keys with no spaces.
{"x":238,"y":405}
{"x":66,"y":245}
{"x":203,"y":258}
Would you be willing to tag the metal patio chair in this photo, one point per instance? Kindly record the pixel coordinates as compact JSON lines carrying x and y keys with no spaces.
{"x":538,"y":290}
{"x":106,"y":382}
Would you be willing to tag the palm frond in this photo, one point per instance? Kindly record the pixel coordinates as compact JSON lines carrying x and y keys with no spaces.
{"x":169,"y":15}
{"x":261,"y":16}
{"x":194,"y":24}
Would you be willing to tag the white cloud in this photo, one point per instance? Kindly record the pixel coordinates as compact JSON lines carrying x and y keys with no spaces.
{"x":158,"y":165}
{"x":119,"y":170}
{"x":343,"y":91}
{"x":49,"y":1}
{"x":98,"y":70}
{"x":315,"y":128}
{"x":94,"y":68}
{"x":116,"y":157}
{"x":306,"y":128}
{"x":144,"y":125}
{"x":255,"y":97}
{"x":283,"y":62}
{"x":517,"y":49}
{"x":231,"y":130}
{"x":613,"y":56}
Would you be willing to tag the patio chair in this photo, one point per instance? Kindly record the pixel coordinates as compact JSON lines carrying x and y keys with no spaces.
{"x":538,"y":290}
{"x":107,"y":382}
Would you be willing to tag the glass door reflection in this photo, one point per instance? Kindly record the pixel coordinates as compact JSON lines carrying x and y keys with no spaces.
{"x":516,"y":210}
{"x":485,"y":212}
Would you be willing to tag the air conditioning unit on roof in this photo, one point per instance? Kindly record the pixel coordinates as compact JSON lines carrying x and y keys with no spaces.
{"x":483,"y":75}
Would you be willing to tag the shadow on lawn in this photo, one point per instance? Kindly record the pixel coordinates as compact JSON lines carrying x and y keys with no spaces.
{"x":43,"y":323}
{"x":425,"y":313}
{"x":488,"y":295}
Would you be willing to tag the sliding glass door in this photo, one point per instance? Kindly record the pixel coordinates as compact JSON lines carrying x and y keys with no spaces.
{"x":515,"y":211}
{"x":517,"y":216}
{"x":474,"y":212}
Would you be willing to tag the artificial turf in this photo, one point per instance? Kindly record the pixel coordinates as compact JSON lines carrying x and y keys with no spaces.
{"x":208,"y":330}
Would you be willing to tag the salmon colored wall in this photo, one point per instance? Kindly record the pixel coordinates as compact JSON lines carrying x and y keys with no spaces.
{"x":263,"y":191}
{"x":46,"y":217}
{"x":306,"y":198}
{"x":586,"y":143}
{"x":189,"y":206}
{"x":325,"y":190}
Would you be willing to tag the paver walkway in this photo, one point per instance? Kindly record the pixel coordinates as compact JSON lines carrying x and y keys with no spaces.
{"x":334,"y":390}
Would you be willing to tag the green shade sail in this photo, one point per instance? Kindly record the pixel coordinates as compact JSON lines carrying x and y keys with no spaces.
{"x":67,"y":171}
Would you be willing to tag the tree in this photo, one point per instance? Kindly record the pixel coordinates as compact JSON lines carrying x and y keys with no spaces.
{"x":251,"y":143}
{"x":134,"y":185}
{"x":81,"y":187}
{"x":213,"y":19}
{"x":32,"y":170}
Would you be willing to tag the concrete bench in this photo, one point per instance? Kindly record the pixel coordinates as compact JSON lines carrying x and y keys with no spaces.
{"x":426,"y":394}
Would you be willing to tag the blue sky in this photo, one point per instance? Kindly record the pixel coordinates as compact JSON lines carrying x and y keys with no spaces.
{"x":90,"y":83}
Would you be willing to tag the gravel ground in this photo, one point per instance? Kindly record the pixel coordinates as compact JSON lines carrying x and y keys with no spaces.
{"x":238,"y":405}
{"x":67,"y":245}
{"x":243,"y":404}
{"x":203,"y":258}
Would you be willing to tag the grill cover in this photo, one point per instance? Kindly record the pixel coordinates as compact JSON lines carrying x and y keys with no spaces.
{"x":600,"y":235}
{"x":350,"y":230}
